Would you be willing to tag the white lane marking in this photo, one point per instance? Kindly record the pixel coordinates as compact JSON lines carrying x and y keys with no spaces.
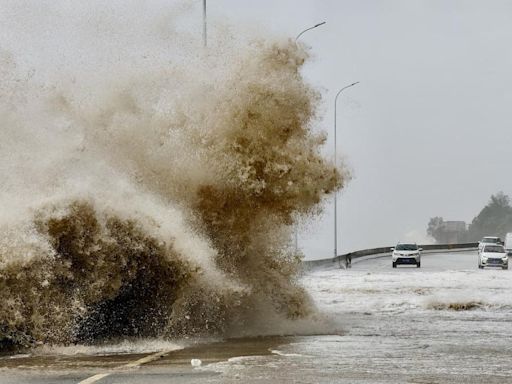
{"x":133,"y":364}
{"x":145,"y":360}
{"x":94,"y":378}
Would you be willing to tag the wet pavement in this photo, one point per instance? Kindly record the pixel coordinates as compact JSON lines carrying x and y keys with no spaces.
{"x":446,"y":322}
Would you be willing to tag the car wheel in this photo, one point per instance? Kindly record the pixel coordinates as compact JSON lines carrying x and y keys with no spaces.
{"x":418,"y":264}
{"x":394,"y":264}
{"x":480,"y":266}
{"x":505,"y":267}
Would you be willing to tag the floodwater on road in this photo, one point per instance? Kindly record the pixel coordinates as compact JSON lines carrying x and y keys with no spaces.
{"x":447,"y":322}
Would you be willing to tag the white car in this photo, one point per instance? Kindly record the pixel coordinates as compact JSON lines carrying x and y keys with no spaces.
{"x":406,"y":254}
{"x":489,"y":240}
{"x":508,"y":243}
{"x":492,"y":255}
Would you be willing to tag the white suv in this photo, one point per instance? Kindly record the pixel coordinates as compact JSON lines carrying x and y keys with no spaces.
{"x":406,"y":254}
{"x":492,"y":255}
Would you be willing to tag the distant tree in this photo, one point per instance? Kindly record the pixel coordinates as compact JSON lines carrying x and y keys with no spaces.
{"x":494,"y":219}
{"x":435,"y":228}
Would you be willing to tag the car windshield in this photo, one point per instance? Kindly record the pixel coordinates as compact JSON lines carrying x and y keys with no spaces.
{"x":491,"y":240}
{"x":494,"y":249}
{"x":406,"y":247}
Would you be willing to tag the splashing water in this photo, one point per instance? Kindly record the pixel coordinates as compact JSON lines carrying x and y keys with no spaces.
{"x":156,"y":201}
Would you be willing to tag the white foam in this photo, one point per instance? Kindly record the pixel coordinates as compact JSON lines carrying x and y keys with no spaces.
{"x":140,"y":346}
{"x":397,"y":291}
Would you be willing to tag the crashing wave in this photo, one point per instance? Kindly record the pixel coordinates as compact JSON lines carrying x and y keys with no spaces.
{"x":159,"y":202}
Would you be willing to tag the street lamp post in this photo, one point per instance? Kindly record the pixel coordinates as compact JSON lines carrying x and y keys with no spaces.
{"x":299,"y":35}
{"x":335,"y":158}
{"x":204,"y":24}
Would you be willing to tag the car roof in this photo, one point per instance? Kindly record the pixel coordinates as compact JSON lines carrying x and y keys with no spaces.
{"x":490,"y":237}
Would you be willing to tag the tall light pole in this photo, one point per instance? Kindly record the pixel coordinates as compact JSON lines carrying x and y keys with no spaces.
{"x":308,"y":29}
{"x":335,"y":158}
{"x":299,"y":35}
{"x":204,"y":24}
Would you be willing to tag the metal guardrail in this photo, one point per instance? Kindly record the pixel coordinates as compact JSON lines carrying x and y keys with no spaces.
{"x":309,"y":264}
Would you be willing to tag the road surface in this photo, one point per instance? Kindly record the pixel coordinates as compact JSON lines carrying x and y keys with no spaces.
{"x":447,"y":322}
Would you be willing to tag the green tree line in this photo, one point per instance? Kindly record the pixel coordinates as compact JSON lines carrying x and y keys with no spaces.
{"x":495,"y":219}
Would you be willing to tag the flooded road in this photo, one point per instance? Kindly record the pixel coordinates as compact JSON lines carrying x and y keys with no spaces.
{"x":447,"y":322}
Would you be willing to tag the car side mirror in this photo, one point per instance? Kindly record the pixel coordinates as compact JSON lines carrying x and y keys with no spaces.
{"x":391,"y":249}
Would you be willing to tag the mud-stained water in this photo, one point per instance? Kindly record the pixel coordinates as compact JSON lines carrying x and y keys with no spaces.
{"x":391,"y":332}
{"x":153,"y":196}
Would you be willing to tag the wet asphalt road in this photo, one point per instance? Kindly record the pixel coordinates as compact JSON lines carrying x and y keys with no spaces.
{"x":447,"y":322}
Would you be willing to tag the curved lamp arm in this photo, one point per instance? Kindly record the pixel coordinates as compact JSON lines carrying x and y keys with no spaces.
{"x":314,"y":26}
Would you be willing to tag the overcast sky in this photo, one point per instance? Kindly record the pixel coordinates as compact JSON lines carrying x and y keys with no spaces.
{"x":426,"y":132}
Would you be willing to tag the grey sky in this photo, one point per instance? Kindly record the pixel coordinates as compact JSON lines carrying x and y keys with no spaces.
{"x":427,"y":132}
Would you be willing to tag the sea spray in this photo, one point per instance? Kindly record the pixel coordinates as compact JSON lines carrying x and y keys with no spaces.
{"x":158,"y":201}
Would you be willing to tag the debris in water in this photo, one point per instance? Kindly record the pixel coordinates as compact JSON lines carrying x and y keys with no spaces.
{"x":195,"y":362}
